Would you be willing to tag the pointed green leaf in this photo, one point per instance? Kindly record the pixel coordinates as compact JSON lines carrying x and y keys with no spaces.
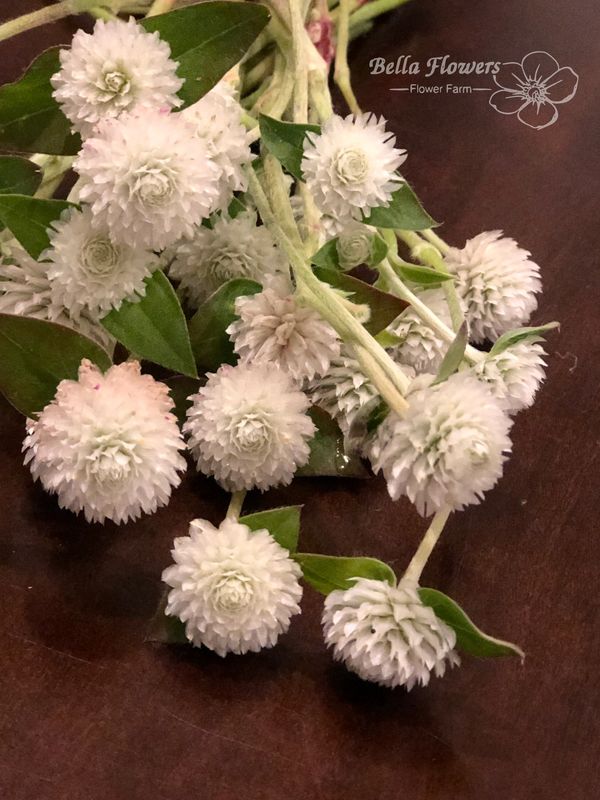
{"x":328,"y":456}
{"x":384,"y":307}
{"x":164,"y":629}
{"x":379,"y":251}
{"x":285,"y":140}
{"x":282,"y":523}
{"x":454,"y":355}
{"x":154,"y":327}
{"x":388,"y":339}
{"x":327,"y":256}
{"x":207,"y":40}
{"x":28,"y":219}
{"x":181,"y":388}
{"x":519,"y":335}
{"x":327,"y":573}
{"x":211,"y":344}
{"x":424,"y":276}
{"x":468,"y":637}
{"x":30,"y":118}
{"x":35,"y":356}
{"x":404,"y":212}
{"x":19,"y":175}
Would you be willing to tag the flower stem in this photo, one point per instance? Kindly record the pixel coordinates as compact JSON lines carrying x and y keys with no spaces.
{"x":429,"y":254}
{"x":44,"y":15}
{"x":373,"y":9}
{"x":300,"y":108}
{"x":159,"y":7}
{"x":342,"y":70}
{"x":235,"y":505}
{"x":424,"y":550}
{"x":425,"y":314}
{"x":436,"y":240}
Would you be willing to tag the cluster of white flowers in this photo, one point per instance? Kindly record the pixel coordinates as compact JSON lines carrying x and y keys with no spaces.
{"x":235,"y":589}
{"x":107,"y":444}
{"x":273,"y":328}
{"x":232,"y":248}
{"x":248,"y":427}
{"x":386,"y":634}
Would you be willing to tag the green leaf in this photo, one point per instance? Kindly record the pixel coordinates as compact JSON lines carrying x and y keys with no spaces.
{"x":404,"y":211}
{"x":236,"y":207}
{"x":35,"y":356}
{"x":327,"y":573}
{"x":19,"y":175}
{"x":210,"y":342}
{"x":384,"y":307}
{"x":424,"y":276}
{"x":207,"y":40}
{"x":519,"y":335}
{"x":285,"y":140}
{"x":468,"y":637}
{"x":454,"y":355}
{"x":164,"y":629}
{"x":327,"y":454}
{"x":282,"y":523}
{"x":388,"y":339}
{"x":181,"y":388}
{"x":154,"y":328}
{"x":328,"y":256}
{"x":30,"y":118}
{"x":379,"y":250}
{"x":28,"y":219}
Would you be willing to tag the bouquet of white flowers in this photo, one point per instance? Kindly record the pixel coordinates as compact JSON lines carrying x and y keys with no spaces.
{"x":243,"y":276}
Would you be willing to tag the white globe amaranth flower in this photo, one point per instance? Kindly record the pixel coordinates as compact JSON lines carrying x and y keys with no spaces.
{"x":354,"y":245}
{"x":147,"y":178}
{"x":344,"y":391}
{"x":248,"y":427}
{"x":273,"y":328}
{"x":421,"y":348}
{"x":387,"y":635}
{"x":88,"y":271}
{"x":117,"y":68}
{"x":236,"y":590}
{"x":232,"y":248}
{"x":108,"y":444}
{"x":449,"y":448}
{"x":217,"y":121}
{"x":25,"y":290}
{"x":350,"y":167}
{"x":514,"y":375}
{"x":497,"y":282}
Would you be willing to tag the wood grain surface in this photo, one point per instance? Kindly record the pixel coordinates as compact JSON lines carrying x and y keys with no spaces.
{"x":89,"y":711}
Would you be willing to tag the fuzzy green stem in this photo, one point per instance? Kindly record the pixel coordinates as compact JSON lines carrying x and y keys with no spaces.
{"x":160,"y":7}
{"x":373,"y":9}
{"x":429,"y":541}
{"x":235,"y":505}
{"x":435,"y":240}
{"x":429,"y":254}
{"x":300,"y":107}
{"x":44,"y":15}
{"x":425,"y":314}
{"x":342,"y":70}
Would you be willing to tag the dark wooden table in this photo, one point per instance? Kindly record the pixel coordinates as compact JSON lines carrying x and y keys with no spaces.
{"x":91,"y":712}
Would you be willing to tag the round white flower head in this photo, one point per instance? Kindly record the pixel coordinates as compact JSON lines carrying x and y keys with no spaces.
{"x":274,"y":329}
{"x":514,"y":375}
{"x":354,"y":245}
{"x":233,"y":248}
{"x":448,"y":449}
{"x":147,"y":178}
{"x":107,"y":444}
{"x":87,"y":271}
{"x":217,"y":121}
{"x":497,"y":282}
{"x":421,"y":347}
{"x":235,"y":590}
{"x":350,"y":167}
{"x":344,"y":391}
{"x":117,"y":68}
{"x":248,"y":427}
{"x":385,"y":634}
{"x":25,"y":290}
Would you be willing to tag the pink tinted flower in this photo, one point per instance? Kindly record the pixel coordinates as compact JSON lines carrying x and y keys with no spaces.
{"x":533,"y":89}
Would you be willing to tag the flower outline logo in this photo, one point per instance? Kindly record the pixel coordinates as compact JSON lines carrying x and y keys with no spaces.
{"x":533,"y":88}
